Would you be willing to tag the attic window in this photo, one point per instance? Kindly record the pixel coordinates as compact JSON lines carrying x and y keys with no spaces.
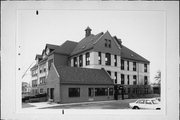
{"x":107,"y":43}
{"x":132,"y":55}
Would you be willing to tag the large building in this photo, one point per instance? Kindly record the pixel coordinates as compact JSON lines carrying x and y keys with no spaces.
{"x":94,"y":53}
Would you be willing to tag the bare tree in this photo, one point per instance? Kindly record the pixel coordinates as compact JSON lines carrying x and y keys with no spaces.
{"x":158,"y":77}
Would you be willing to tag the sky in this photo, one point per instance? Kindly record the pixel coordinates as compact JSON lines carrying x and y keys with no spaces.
{"x":142,"y":31}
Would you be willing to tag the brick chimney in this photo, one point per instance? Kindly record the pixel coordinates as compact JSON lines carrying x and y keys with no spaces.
{"x":88,"y":31}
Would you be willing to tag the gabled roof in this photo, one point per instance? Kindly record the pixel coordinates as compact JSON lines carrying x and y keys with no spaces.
{"x":66,"y":48}
{"x":86,"y":43}
{"x":74,"y":75}
{"x":129,"y":54}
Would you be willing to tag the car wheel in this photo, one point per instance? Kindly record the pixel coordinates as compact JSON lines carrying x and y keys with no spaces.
{"x":135,"y":107}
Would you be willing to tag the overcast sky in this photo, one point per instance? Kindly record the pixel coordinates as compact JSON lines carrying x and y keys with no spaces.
{"x":141,"y":31}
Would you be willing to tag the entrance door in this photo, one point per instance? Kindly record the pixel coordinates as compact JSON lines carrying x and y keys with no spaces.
{"x":52,"y":93}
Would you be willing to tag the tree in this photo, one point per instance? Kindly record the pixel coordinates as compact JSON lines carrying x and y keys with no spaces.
{"x":158,"y":77}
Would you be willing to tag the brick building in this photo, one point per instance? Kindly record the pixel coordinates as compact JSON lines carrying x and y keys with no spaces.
{"x":101,"y":52}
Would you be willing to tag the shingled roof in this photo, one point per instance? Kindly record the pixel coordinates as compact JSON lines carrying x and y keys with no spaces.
{"x":66,"y":48}
{"x":51,"y":46}
{"x":129,"y":54}
{"x":74,"y":75}
{"x":86,"y":43}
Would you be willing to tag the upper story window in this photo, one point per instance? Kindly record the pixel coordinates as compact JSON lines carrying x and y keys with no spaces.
{"x":145,"y":67}
{"x":122,"y":79}
{"x":115,"y":75}
{"x":127,"y":65}
{"x":145,"y":80}
{"x":115,"y":60}
{"x":75,"y":61}
{"x":34,"y":72}
{"x":135,"y":80}
{"x":108,"y":59}
{"x":49,"y":63}
{"x":122,"y":64}
{"x":42,"y":68}
{"x":107,"y":43}
{"x":134,"y":66}
{"x":99,"y":57}
{"x":34,"y":83}
{"x":87,"y":58}
{"x":42,"y":80}
{"x":80,"y":61}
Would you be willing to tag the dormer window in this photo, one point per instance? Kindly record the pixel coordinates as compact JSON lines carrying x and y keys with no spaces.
{"x":107,"y":43}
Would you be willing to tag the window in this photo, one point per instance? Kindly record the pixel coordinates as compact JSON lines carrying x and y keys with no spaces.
{"x":99,"y":57}
{"x":110,"y":91}
{"x":44,"y":69}
{"x":42,"y":80}
{"x":127,"y":65}
{"x":122,"y":79}
{"x":135,"y":81}
{"x":75,"y":61}
{"x":41,"y":90}
{"x":128,"y":79}
{"x":146,"y":90}
{"x":108,"y":59}
{"x":101,"y":91}
{"x":145,"y":80}
{"x":91,"y":92}
{"x":115,"y":74}
{"x":141,"y":101}
{"x":115,"y":60}
{"x":122,"y":64}
{"x":87,"y":58}
{"x":34,"y":73}
{"x":107,"y":43}
{"x":148,"y":102}
{"x":109,"y":72}
{"x":145,"y":67}
{"x":49,"y":63}
{"x":80,"y":61}
{"x":134,"y":66}
{"x":34,"y":83}
{"x":74,"y":92}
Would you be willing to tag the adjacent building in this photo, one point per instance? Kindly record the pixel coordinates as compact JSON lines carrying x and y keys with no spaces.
{"x":101,"y":53}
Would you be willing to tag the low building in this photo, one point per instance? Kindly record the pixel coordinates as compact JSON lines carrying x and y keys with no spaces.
{"x":72,"y":84}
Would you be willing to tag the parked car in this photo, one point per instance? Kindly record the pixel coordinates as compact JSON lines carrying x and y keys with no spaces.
{"x":158,"y":98}
{"x":145,"y":104}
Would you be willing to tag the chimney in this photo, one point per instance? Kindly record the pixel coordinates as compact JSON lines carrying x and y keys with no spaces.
{"x":88,"y":31}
